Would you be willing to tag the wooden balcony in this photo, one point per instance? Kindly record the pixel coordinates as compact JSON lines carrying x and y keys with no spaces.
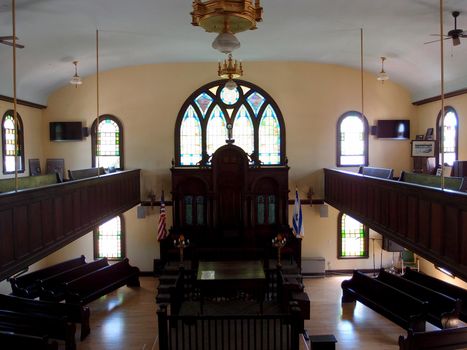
{"x":36,"y":222}
{"x":429,"y":221}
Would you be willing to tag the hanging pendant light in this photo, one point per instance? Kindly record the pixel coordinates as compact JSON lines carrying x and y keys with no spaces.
{"x":76,"y":80}
{"x":382,"y":76}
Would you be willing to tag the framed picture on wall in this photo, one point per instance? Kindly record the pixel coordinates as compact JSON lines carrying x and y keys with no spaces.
{"x":420,"y":137}
{"x":425,"y":148}
{"x":429,"y":134}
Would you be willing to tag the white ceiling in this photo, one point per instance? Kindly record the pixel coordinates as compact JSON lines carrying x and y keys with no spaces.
{"x":133,"y":32}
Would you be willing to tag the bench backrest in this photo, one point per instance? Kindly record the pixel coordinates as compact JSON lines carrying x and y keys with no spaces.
{"x":8,"y":185}
{"x":28,"y":286}
{"x":451,"y":290}
{"x":383,"y":173}
{"x":85,"y":173}
{"x":450,"y":182}
{"x":454,"y":338}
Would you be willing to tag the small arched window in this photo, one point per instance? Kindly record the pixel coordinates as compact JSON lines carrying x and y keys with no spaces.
{"x":352,"y":140}
{"x":213,"y":114}
{"x":450,"y":135}
{"x":12,"y":143}
{"x":352,"y":238}
{"x":109,"y":240}
{"x":107,"y":143}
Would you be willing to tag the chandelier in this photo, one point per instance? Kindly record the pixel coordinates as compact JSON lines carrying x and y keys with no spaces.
{"x":382,"y":76}
{"x":226,"y":17}
{"x":230,"y":69}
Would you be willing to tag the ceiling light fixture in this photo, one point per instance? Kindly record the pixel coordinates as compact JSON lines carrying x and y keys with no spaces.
{"x":226,"y":17}
{"x":230,"y":69}
{"x":76,"y":80}
{"x":382,"y":76}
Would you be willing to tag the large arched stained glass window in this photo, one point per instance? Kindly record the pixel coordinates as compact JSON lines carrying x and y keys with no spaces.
{"x":352,"y":238}
{"x":12,"y":143}
{"x":450,"y":136}
{"x":214,"y":116}
{"x":109,"y":240}
{"x":352,"y":140}
{"x":107,"y":143}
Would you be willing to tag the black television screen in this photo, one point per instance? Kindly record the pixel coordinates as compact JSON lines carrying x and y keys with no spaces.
{"x":393,"y":129}
{"x":66,"y":131}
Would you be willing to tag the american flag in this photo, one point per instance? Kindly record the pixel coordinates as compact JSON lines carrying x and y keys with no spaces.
{"x":161,"y":227}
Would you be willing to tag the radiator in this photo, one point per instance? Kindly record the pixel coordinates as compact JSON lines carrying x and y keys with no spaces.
{"x":313,"y":266}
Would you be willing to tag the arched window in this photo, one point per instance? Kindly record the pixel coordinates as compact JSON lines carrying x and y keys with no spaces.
{"x":352,"y":140}
{"x":10,"y":137}
{"x":450,"y":135}
{"x":109,"y":240}
{"x":107,"y":143}
{"x":352,"y":238}
{"x":213,"y":114}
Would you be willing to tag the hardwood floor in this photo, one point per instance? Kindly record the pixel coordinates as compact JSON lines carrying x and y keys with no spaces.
{"x":126,"y":319}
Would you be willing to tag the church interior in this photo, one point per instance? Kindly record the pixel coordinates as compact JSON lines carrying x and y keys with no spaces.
{"x":292,"y":174}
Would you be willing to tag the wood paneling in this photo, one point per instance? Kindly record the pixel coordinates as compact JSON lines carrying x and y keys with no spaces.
{"x":429,"y":221}
{"x":38,"y":221}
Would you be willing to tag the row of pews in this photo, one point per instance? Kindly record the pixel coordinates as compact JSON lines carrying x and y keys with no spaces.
{"x":45,"y":305}
{"x":410,"y":301}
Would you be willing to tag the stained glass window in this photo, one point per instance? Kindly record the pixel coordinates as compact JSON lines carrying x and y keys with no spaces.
{"x":216,"y":130}
{"x":257,"y":125}
{"x":352,"y":140}
{"x":269,"y":138}
{"x":109,"y":240}
{"x":256,"y":101}
{"x":107,"y":143}
{"x":243,"y":132}
{"x":271,"y":209}
{"x":190,"y":138}
{"x":9,"y":144}
{"x":200,"y":210}
{"x":352,"y":238}
{"x":260,"y":209}
{"x":450,"y":132}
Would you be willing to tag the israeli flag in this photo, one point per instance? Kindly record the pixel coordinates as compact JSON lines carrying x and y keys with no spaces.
{"x":298,"y":217}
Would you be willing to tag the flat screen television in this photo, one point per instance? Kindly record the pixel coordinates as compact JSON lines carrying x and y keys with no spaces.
{"x":398,"y":129}
{"x":66,"y":131}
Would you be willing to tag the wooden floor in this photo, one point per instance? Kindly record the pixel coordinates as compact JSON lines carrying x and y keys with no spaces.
{"x":126,"y":319}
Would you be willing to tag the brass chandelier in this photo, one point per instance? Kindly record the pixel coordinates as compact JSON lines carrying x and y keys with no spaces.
{"x":226,"y":17}
{"x":230,"y":69}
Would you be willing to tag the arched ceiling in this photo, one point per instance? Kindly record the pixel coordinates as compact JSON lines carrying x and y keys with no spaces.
{"x":56,"y":32}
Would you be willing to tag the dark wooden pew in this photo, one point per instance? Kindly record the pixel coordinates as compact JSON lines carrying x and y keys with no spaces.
{"x":53,"y":287}
{"x":27,"y":285}
{"x":442,"y":311}
{"x":85,"y":173}
{"x":454,"y":338}
{"x":399,"y":307}
{"x":450,"y":182}
{"x":383,"y":173}
{"x":101,"y":282}
{"x":75,"y":313}
{"x":39,"y":325}
{"x":11,"y":340}
{"x":441,"y":287}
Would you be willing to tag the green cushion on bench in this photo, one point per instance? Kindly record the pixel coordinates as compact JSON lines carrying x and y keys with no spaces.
{"x":7,"y":185}
{"x":451,"y":183}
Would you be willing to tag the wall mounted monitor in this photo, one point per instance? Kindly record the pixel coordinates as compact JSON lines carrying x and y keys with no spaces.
{"x":66,"y":131}
{"x":398,"y":129}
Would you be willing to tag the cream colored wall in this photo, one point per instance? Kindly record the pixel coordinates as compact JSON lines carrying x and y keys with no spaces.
{"x":32,"y":124}
{"x":311,"y":97}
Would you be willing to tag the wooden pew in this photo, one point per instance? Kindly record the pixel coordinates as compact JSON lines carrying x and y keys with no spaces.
{"x":75,"y":313}
{"x":53,"y":287}
{"x":443,"y":311}
{"x":454,"y":338}
{"x":383,"y":173}
{"x":85,"y":173}
{"x":399,"y":307}
{"x":441,"y":287}
{"x":450,"y":182}
{"x":10,"y":340}
{"x":39,"y":325}
{"x":27,"y":285}
{"x":98,"y":283}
